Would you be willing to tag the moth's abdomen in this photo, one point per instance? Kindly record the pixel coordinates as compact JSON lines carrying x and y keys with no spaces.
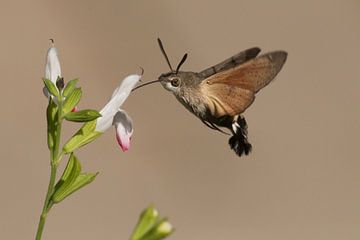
{"x":239,"y":142}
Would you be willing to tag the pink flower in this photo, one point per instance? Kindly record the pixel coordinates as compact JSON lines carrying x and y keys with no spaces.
{"x":112,"y":114}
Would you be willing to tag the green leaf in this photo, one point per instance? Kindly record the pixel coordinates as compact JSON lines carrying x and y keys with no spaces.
{"x":85,"y":135}
{"x":81,"y":181}
{"x":70,"y":174}
{"x":70,"y":86}
{"x":71,"y":180}
{"x":50,"y":86}
{"x":51,"y":116}
{"x":148,"y":219}
{"x":72,"y":100}
{"x":83,"y":115}
{"x":161,"y":230}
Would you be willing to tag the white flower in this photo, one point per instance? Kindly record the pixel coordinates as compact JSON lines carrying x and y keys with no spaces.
{"x":52,"y":67}
{"x":111,"y":114}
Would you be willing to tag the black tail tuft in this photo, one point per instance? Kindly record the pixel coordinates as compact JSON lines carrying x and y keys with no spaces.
{"x":240,"y":145}
{"x":238,"y":142}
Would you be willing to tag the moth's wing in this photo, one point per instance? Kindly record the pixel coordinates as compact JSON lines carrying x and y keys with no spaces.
{"x":253,"y":74}
{"x":231,"y":62}
{"x":232,"y":91}
{"x":223,"y":99}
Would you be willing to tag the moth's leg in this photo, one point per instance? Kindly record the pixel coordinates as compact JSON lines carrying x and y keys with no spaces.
{"x":214,"y":127}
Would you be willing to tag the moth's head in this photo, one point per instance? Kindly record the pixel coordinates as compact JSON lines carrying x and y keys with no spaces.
{"x":170,"y":81}
{"x":174,"y":81}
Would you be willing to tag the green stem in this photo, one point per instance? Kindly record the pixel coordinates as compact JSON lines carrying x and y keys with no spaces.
{"x":55,"y":159}
{"x":46,"y":203}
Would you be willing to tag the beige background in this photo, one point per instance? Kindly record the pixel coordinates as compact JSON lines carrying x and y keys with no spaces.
{"x":302,"y":179}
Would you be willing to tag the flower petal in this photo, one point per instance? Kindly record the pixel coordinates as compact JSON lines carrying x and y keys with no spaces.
{"x":124,"y":129}
{"x":52,"y":68}
{"x":119,"y":96}
{"x":123,"y":91}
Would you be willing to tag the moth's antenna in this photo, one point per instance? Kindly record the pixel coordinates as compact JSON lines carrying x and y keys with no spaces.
{"x":164,"y":53}
{"x":181,"y":63}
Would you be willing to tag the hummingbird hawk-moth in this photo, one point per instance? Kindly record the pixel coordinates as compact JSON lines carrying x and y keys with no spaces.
{"x":220,"y":94}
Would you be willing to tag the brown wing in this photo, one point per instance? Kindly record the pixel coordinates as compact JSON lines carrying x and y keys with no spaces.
{"x":231,"y":62}
{"x":223,"y":99}
{"x":232,"y":91}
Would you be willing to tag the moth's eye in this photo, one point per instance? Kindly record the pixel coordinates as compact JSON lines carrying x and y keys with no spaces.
{"x":175,"y":82}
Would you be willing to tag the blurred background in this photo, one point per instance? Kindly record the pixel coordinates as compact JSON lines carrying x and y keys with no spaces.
{"x":301,"y":180}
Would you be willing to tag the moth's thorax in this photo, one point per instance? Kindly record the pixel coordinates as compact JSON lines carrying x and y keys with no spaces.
{"x":193,"y":101}
{"x":187,"y":91}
